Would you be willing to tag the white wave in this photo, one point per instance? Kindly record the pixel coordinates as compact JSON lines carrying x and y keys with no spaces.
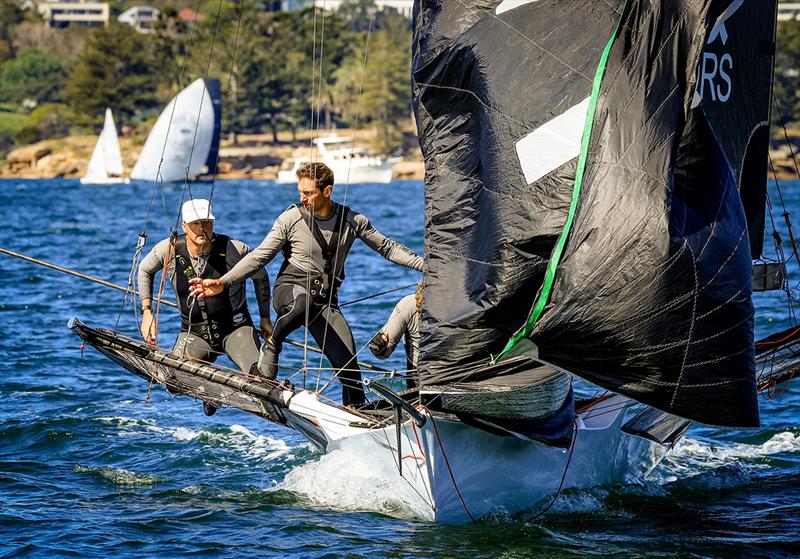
{"x":354,"y":479}
{"x":691,"y":457}
{"x":123,"y":421}
{"x":118,"y":476}
{"x":184,"y":434}
{"x":239,"y":439}
{"x":256,"y":446}
{"x":779,"y":443}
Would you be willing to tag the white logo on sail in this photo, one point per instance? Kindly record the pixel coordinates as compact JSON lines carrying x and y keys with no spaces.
{"x":713,"y":72}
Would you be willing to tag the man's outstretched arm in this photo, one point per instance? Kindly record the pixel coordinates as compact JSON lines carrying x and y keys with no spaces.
{"x":247,"y":266}
{"x":386,"y":247}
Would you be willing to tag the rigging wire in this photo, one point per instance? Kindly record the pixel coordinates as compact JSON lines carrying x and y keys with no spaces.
{"x":341,"y":222}
{"x":563,"y":476}
{"x":142,"y":238}
{"x":228,"y":89}
{"x":186,"y":182}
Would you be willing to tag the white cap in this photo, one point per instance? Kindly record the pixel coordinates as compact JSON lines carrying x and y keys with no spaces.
{"x":197,"y":209}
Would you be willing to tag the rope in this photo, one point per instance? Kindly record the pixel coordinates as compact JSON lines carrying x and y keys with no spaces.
{"x":449,"y":469}
{"x":335,"y":267}
{"x":354,"y":301}
{"x":564,"y":475}
{"x":228,"y":87}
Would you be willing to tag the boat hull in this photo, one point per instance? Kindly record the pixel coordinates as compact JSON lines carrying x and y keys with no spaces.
{"x":462,"y":473}
{"x":106,"y":180}
{"x":377,"y":174}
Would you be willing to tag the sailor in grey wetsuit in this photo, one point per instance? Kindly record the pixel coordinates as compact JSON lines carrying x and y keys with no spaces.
{"x":216,"y":325}
{"x":402,"y":324}
{"x":315,"y":238}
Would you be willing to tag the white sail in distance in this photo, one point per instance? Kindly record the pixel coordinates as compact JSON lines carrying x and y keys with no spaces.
{"x":105,"y":166}
{"x":183,"y":133}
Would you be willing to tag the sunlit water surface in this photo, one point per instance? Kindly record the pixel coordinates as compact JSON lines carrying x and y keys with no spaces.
{"x":89,"y":468}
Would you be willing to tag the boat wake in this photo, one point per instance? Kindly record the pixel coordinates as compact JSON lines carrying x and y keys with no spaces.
{"x":691,"y":457}
{"x":352,"y":479}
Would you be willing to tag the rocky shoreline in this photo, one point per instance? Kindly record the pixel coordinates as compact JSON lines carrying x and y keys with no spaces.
{"x":248,"y":159}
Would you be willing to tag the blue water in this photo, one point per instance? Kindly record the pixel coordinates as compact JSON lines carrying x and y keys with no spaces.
{"x":89,"y":468}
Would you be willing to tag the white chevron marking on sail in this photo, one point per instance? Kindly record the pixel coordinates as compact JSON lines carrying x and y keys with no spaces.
{"x":507,"y":5}
{"x":719,"y":29}
{"x":552,"y":144}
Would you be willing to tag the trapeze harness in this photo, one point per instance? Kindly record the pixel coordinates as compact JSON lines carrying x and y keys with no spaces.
{"x":320,"y":285}
{"x":211,"y":318}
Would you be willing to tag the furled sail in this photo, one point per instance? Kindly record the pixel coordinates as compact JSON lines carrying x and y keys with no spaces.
{"x":181,"y":140}
{"x":572,"y":170}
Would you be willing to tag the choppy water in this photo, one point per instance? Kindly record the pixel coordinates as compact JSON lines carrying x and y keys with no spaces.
{"x":88,"y":468}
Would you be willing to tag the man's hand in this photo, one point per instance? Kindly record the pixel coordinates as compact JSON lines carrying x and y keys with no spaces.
{"x":202,"y":288}
{"x":149,"y":328}
{"x":266,"y":328}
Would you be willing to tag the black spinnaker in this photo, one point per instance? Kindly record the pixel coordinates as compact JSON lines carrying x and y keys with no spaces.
{"x":632,"y":248}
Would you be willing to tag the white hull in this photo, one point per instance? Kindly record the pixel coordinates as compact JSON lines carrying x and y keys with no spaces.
{"x":105,"y":180}
{"x":491,"y":473}
{"x":350,"y":165}
{"x":381,"y":174}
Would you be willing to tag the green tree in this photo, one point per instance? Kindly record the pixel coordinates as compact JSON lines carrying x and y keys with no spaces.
{"x":385,"y":96}
{"x":32,"y":75}
{"x":46,"y":121}
{"x":786,"y":84}
{"x":115,"y":69}
{"x":10,"y":16}
{"x":285,"y":68}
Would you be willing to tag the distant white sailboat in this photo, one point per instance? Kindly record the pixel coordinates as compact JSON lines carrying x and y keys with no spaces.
{"x":185,"y":139}
{"x":105,"y":166}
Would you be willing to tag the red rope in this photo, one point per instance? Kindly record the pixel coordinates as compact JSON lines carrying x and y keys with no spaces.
{"x":773,"y":342}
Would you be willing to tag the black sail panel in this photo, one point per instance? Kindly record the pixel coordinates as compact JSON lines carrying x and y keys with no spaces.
{"x":732,"y":88}
{"x":494,"y":83}
{"x":213,"y":87}
{"x":652,"y":295}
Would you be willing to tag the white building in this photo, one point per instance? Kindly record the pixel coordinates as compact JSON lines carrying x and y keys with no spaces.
{"x":74,"y":12}
{"x":141,"y":18}
{"x":788,"y":12}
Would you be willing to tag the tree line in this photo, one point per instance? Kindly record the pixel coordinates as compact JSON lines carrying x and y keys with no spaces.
{"x":279,"y":71}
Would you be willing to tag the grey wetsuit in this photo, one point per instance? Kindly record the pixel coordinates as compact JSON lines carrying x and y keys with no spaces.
{"x":304,"y":260}
{"x":403,"y":324}
{"x":241,"y":343}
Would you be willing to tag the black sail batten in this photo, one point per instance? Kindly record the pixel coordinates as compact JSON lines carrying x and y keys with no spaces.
{"x":487,"y":82}
{"x":652,"y":295}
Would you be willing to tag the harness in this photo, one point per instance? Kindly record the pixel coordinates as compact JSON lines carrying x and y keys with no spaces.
{"x":211,"y":318}
{"x":321,"y":284}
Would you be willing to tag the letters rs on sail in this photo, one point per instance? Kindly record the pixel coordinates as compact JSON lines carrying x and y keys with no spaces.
{"x":716,"y":64}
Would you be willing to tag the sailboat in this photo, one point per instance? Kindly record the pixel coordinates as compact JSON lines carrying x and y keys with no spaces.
{"x":595,"y":200}
{"x":105,"y":166}
{"x":184,"y":142}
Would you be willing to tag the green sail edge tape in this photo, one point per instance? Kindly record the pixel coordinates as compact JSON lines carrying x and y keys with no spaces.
{"x":555,"y":257}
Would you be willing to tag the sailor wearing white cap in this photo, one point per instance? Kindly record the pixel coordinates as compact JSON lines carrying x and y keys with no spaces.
{"x":215,"y":325}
